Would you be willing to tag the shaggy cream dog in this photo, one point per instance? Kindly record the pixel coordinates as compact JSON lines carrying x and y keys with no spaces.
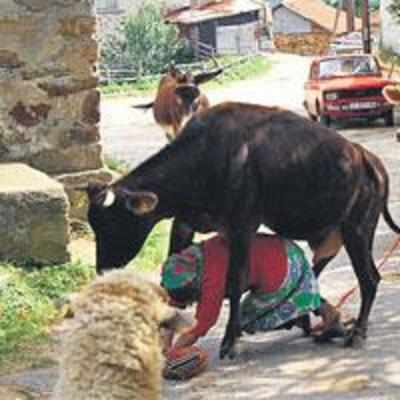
{"x":113,"y":350}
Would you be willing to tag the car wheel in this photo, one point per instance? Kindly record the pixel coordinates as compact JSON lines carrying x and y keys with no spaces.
{"x":389,"y":118}
{"x":324,"y":120}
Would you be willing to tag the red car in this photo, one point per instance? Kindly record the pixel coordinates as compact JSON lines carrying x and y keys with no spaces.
{"x":347,"y":86}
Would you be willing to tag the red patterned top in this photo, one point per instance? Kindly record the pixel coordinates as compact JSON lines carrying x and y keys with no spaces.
{"x":267,"y":271}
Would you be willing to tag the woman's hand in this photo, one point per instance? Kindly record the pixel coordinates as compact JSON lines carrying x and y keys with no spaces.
{"x":186,"y":339}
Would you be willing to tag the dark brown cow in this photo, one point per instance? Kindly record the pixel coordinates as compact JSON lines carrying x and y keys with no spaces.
{"x":236,"y":166}
{"x":178,"y":98}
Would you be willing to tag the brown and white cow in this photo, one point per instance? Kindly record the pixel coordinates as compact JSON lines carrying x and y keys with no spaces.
{"x":178,"y":98}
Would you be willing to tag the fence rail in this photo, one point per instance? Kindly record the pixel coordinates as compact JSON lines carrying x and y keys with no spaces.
{"x":119,"y":74}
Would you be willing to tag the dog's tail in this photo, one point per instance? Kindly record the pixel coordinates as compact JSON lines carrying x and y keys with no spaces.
{"x":377,"y":170}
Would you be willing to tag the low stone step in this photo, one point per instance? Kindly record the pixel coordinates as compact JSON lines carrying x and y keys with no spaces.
{"x":33,"y":216}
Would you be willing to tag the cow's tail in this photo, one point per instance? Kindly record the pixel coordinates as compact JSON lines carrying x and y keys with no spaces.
{"x":144,"y":106}
{"x":389,"y":220}
{"x":377,"y":170}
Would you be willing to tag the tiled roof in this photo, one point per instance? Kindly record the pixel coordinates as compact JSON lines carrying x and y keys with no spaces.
{"x":212,"y":10}
{"x":320,"y":13}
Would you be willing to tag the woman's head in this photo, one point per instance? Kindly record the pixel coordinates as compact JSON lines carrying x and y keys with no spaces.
{"x":183,"y":297}
{"x":182,"y":275}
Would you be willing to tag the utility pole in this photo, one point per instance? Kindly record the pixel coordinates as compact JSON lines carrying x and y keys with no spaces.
{"x":349,"y":9}
{"x":366,"y":27}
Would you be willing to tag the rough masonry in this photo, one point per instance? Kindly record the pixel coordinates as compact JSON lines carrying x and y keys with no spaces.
{"x":49,"y":104}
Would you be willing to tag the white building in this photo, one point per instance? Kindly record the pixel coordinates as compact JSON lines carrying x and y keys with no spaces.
{"x":390,"y":29}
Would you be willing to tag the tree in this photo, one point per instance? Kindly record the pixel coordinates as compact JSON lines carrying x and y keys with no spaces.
{"x":394,"y":9}
{"x":144,"y":42}
{"x":373,"y":5}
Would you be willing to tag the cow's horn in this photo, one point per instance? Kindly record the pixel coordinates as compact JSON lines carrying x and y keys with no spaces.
{"x":109,"y":198}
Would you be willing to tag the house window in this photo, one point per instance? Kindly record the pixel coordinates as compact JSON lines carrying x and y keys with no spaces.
{"x":107,"y":5}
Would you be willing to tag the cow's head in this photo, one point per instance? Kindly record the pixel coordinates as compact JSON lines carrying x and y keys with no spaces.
{"x":121,"y":221}
{"x":180,"y":78}
{"x":178,"y":97}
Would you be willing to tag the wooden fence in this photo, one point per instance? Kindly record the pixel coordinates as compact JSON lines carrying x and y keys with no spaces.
{"x":121,"y":74}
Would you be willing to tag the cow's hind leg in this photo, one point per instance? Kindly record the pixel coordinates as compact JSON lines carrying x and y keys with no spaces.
{"x":319,"y":266}
{"x":358,"y":241}
{"x":237,"y":274}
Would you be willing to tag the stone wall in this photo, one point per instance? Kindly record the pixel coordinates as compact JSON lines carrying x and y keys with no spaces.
{"x":315,"y":43}
{"x":49,"y":104}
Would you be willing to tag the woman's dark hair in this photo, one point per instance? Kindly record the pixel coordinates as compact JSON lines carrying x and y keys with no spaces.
{"x":184,"y":295}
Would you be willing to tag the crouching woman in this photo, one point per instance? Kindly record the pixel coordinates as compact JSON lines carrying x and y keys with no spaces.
{"x":281,"y":287}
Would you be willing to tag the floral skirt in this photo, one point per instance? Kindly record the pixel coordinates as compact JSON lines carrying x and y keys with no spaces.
{"x":298,"y":295}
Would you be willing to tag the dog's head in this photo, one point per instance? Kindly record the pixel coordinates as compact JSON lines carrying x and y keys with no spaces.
{"x":129,"y":291}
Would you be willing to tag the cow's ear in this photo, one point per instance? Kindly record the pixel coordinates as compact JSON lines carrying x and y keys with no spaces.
{"x":141,"y":203}
{"x":187,"y":93}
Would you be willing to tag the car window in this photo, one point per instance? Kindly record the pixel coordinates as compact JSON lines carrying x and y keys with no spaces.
{"x":345,"y":66}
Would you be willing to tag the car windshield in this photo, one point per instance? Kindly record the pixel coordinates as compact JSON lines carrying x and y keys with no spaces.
{"x":347,"y":66}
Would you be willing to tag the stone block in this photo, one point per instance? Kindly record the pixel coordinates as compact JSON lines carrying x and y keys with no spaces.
{"x":33,"y":216}
{"x":73,"y":184}
{"x":72,"y":159}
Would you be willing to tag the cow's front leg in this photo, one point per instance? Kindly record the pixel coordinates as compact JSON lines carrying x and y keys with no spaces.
{"x":181,"y":236}
{"x":237,"y":275}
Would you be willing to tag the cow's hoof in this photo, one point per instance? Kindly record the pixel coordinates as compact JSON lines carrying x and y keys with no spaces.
{"x":229,"y":351}
{"x":228,"y":348}
{"x":355,"y":339}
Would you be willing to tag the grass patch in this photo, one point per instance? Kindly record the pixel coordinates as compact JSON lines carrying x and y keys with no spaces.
{"x":119,"y":166}
{"x":249,"y":68}
{"x":28,"y":300}
{"x":155,"y":249}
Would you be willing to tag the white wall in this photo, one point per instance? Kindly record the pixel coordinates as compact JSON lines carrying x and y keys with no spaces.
{"x":285,"y":21}
{"x":390,"y":31}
